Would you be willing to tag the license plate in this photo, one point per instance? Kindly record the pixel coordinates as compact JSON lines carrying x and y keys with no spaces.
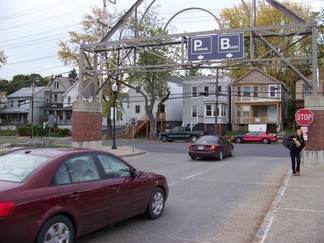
{"x":201,"y":147}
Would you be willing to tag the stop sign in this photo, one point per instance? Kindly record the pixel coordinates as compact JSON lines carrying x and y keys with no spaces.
{"x":304,"y":117}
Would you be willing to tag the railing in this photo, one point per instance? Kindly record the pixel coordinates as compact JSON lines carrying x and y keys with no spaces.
{"x":251,"y":120}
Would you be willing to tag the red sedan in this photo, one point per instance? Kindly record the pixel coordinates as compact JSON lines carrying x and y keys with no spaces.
{"x":57,"y":195}
{"x":210,"y":146}
{"x":252,"y":137}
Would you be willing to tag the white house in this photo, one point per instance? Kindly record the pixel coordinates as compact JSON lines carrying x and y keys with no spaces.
{"x":199,"y":103}
{"x":171,"y":111}
{"x":23,"y":106}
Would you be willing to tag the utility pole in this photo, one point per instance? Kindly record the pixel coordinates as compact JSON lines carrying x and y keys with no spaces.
{"x":32,"y":112}
{"x":216,"y":103}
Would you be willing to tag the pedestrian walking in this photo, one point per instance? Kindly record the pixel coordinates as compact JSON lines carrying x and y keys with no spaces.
{"x":295,"y":153}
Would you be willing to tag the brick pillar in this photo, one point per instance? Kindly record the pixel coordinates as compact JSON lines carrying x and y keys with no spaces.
{"x":87,"y":125}
{"x":315,"y":145}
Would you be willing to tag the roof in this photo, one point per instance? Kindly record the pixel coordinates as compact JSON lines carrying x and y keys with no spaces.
{"x":15,"y":110}
{"x":26,"y":92}
{"x":274,"y":80}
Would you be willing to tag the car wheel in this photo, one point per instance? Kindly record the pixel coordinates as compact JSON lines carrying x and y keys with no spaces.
{"x":193,"y":138}
{"x":232,"y":152}
{"x":164,"y":139}
{"x":238,"y":140}
{"x":193,"y":157}
{"x":56,"y":229}
{"x":220,"y":156}
{"x":156,"y":204}
{"x":265,"y":141}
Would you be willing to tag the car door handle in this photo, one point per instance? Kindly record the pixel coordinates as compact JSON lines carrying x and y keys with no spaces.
{"x":116,"y":188}
{"x":75,"y":195}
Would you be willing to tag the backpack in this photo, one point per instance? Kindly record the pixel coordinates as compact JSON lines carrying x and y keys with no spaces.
{"x":289,"y":143}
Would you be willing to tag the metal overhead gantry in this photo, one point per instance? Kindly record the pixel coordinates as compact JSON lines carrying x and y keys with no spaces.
{"x":90,"y":54}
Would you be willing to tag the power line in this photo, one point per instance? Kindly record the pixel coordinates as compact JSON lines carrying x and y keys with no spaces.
{"x":36,"y":10}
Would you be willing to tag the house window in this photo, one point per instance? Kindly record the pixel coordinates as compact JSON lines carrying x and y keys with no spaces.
{"x":68,"y":115}
{"x":162,"y":108}
{"x":11,"y":103}
{"x":306,"y":90}
{"x":255,"y":91}
{"x":272,"y":92}
{"x":194,"y":91}
{"x":55,"y":98}
{"x":206,"y":91}
{"x":138,"y":88}
{"x":246,"y":91}
{"x":238,"y":111}
{"x":137,"y":109}
{"x":193,"y":111}
{"x":208,"y":110}
{"x":238,"y":91}
{"x":246,"y":111}
{"x":56,"y":85}
{"x":69,"y":100}
{"x":219,"y":90}
{"x":223,"y":109}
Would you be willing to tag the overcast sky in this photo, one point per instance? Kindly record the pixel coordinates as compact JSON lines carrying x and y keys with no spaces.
{"x":31,"y":29}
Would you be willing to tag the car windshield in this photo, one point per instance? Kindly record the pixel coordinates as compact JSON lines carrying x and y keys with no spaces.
{"x":207,"y":140}
{"x":16,"y":167}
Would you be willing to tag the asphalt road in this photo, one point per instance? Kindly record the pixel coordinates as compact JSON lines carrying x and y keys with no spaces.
{"x":209,"y":201}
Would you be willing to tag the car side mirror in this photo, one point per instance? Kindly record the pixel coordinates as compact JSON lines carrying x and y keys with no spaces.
{"x":137,"y":172}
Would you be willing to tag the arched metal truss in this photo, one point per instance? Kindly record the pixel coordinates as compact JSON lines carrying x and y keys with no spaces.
{"x":193,"y":8}
{"x":90,"y":54}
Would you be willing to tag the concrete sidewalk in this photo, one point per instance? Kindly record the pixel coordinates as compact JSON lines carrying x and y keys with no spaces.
{"x":297,"y":213}
{"x":124,"y":151}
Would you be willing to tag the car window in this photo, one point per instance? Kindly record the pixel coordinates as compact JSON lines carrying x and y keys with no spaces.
{"x":207,"y":140}
{"x":81,"y":168}
{"x":16,"y":167}
{"x":62,"y":176}
{"x":113,"y":167}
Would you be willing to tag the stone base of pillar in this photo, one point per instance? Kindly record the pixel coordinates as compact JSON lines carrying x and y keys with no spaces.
{"x":87,"y":125}
{"x":315,"y":145}
{"x":87,"y":144}
{"x":314,"y":157}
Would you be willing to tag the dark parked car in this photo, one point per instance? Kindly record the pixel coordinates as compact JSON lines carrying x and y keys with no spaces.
{"x":255,"y":137}
{"x":210,"y":146}
{"x":57,"y":195}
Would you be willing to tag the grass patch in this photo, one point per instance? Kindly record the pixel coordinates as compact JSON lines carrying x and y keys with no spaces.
{"x":8,"y":132}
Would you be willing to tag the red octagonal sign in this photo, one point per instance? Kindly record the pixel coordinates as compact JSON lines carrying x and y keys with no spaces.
{"x":304,"y":117}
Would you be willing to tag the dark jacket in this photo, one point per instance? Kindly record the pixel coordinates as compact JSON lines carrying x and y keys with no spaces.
{"x":301,"y":140}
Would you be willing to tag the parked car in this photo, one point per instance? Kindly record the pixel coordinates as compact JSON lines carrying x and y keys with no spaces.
{"x":253,"y":137}
{"x":180,"y":133}
{"x":210,"y":146}
{"x":57,"y":195}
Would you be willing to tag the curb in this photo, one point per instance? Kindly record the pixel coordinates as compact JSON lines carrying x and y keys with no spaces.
{"x":267,"y":221}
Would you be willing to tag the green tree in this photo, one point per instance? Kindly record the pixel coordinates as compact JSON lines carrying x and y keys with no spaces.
{"x":150,"y":84}
{"x":154,"y":84}
{"x":266,"y":15}
{"x":21,"y":80}
{"x":95,"y":26}
{"x":319,"y":16}
{"x":73,"y":74}
{"x":3,"y":58}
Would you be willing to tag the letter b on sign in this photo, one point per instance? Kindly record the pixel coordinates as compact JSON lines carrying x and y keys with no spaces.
{"x":225,"y":43}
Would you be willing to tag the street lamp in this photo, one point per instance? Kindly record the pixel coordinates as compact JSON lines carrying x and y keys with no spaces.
{"x":114,"y":90}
